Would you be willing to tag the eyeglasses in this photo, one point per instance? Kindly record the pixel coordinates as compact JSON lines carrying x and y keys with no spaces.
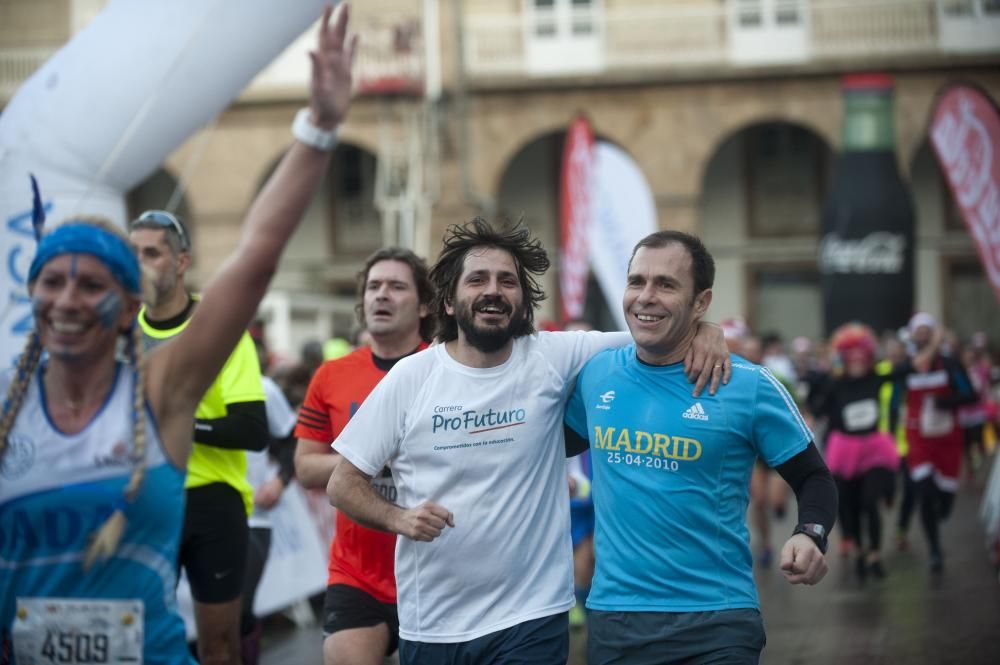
{"x":166,"y":220}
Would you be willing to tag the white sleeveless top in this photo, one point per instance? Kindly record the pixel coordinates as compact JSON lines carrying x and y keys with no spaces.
{"x":56,"y":489}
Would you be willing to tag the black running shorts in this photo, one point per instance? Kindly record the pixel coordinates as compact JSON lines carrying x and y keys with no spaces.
{"x":213,"y":548}
{"x":348,"y":607}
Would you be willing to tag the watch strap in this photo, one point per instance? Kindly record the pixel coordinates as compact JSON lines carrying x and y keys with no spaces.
{"x":816,"y":532}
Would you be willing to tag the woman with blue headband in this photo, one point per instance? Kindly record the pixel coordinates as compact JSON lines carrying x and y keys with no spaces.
{"x":93,"y":449}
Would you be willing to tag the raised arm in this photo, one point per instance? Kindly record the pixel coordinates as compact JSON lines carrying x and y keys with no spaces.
{"x":193,"y":359}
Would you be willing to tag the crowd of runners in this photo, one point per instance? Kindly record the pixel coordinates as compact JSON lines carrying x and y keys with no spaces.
{"x":494,"y":483}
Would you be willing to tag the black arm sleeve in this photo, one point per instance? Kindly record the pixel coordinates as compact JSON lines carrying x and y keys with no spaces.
{"x":575,"y":444}
{"x":814,"y":487}
{"x":244,"y":427}
{"x":283,"y":452}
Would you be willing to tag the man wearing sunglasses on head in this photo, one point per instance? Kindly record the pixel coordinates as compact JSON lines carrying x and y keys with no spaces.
{"x":230,"y":419}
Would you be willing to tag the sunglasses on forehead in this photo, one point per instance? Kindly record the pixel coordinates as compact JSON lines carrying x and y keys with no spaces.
{"x":166,"y":220}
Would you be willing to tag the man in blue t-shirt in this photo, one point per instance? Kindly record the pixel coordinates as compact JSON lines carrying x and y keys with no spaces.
{"x":674,"y":578}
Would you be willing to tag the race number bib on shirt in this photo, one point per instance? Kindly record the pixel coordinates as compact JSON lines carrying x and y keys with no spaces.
{"x":935,"y":421}
{"x":385,"y":485}
{"x":50,"y":631}
{"x":860,"y":415}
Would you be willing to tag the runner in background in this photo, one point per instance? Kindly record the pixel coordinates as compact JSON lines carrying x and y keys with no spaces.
{"x":861,"y":449}
{"x":975,"y":417}
{"x":892,"y":399}
{"x":360,"y":624}
{"x":231,"y":419}
{"x":933,"y":433}
{"x":269,"y":472}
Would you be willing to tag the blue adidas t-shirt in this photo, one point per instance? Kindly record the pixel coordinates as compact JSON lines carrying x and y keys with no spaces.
{"x":671,"y":479}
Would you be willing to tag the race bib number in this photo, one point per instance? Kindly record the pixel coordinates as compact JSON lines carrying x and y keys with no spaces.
{"x":860,"y":415}
{"x":385,"y":485}
{"x":935,"y":421}
{"x":49,"y":631}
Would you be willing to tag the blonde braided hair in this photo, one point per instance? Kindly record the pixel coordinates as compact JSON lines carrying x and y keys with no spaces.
{"x":26,"y":365}
{"x":104,"y":541}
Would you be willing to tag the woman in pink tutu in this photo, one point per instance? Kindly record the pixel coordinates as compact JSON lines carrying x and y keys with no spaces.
{"x":860,"y":449}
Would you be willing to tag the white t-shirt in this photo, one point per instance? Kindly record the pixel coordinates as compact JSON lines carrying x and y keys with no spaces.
{"x":260,"y":468}
{"x":487,"y":444}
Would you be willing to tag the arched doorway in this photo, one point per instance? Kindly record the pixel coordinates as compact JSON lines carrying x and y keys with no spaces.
{"x":529,"y":190}
{"x":312,"y":295}
{"x":761,"y":199}
{"x":340,"y":228}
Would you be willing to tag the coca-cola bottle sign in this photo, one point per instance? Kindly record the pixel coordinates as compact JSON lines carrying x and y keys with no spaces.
{"x":866,"y":250}
{"x":880,"y":252}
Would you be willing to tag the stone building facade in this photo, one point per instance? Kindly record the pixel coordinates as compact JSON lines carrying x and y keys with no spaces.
{"x":732,"y":111}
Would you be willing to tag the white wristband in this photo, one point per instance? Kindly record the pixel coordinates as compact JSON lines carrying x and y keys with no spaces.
{"x":310,"y":134}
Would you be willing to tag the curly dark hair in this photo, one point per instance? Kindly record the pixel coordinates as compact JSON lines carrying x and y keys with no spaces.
{"x":529,"y":257}
{"x":425,"y":290}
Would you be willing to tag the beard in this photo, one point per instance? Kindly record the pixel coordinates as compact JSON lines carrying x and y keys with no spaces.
{"x":490,"y":339}
{"x":159,"y":289}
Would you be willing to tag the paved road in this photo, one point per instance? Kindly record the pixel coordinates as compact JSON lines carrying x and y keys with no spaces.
{"x":909,"y":618}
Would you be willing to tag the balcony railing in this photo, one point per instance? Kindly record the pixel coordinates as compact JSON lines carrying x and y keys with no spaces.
{"x":846,"y":27}
{"x":697,"y":33}
{"x":684,"y":35}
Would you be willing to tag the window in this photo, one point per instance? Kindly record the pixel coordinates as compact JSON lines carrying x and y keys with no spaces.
{"x":545,"y":18}
{"x":786,"y":12}
{"x":786,"y":298}
{"x":959,"y":7}
{"x":582,"y":19}
{"x":785,"y":169}
{"x":357,"y":226}
{"x":749,"y":14}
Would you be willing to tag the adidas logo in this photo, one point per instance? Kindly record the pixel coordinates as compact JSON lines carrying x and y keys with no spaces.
{"x":696,"y":412}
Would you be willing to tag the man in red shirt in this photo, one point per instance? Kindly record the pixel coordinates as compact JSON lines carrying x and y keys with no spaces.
{"x":360,"y":623}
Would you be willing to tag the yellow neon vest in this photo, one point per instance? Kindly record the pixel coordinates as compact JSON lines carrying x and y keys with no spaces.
{"x":239,"y":381}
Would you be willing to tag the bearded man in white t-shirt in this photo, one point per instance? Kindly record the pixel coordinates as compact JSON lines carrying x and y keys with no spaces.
{"x":472,"y":429}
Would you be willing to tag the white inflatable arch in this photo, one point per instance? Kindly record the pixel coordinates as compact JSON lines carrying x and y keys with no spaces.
{"x":104,"y":112}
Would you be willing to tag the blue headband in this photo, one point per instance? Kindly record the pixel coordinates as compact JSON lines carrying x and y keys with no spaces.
{"x":83,"y":238}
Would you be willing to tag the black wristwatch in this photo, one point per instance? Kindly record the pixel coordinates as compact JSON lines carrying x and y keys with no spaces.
{"x":814,"y":531}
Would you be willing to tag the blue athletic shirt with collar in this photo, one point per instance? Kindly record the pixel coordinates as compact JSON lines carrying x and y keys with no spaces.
{"x":671,"y":479}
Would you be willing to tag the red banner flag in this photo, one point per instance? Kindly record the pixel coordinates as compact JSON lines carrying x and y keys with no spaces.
{"x":575,"y":212}
{"x":965,"y":134}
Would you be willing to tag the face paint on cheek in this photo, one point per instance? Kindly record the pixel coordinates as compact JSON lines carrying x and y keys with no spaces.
{"x":36,"y":306}
{"x":108,"y":309}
